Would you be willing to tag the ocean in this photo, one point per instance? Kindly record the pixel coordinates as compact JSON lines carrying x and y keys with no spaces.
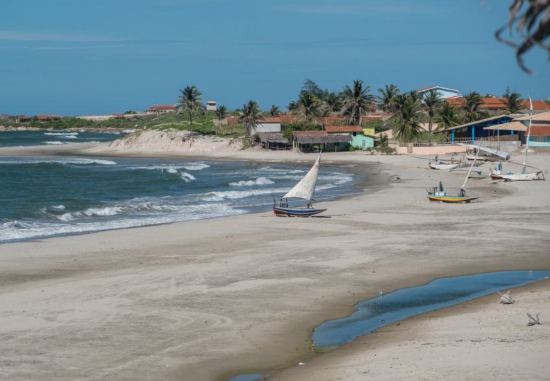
{"x":66,"y":195}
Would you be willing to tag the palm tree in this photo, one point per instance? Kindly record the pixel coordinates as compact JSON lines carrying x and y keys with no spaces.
{"x":221,"y":113}
{"x":471,"y":108}
{"x":190,"y":102}
{"x":447,"y":115}
{"x":308,"y":107}
{"x":431,"y":101}
{"x":274,"y":111}
{"x":513,"y":101}
{"x":332,"y":101}
{"x":407,"y":119}
{"x":356,"y":102}
{"x":249,"y":116}
{"x":386,"y":99}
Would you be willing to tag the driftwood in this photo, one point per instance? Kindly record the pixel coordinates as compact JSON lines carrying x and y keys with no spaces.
{"x":533,"y":320}
{"x":506,"y":298}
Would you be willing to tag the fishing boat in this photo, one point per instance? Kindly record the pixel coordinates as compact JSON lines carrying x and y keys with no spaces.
{"x":444,"y":164}
{"x":524,"y":175}
{"x":438,"y":194}
{"x":303,"y":190}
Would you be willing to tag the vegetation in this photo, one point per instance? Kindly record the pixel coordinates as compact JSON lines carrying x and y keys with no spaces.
{"x":531,"y":20}
{"x":190,"y":101}
{"x":249,"y":116}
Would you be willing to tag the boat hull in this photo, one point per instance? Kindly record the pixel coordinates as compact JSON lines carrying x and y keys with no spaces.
{"x":523,"y":176}
{"x":451,"y":199}
{"x":443,"y":166}
{"x":296,"y":212}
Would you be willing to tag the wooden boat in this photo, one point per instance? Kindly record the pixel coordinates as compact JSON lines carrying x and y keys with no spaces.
{"x":303,"y":190}
{"x":438,"y":194}
{"x":524,"y":175}
{"x":443,"y":166}
{"x":477,"y":175}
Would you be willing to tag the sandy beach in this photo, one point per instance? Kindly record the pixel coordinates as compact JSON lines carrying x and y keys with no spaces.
{"x":211,"y":299}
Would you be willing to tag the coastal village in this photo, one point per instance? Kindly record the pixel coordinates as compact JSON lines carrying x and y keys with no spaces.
{"x":374,"y":126}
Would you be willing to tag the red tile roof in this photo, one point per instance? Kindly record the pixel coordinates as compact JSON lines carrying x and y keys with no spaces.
{"x":343,"y":129}
{"x":161,"y":108}
{"x":47,"y":117}
{"x":286,"y":118}
{"x":540,"y":131}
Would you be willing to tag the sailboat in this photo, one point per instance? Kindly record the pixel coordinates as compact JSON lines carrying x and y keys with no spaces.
{"x":523,"y":176}
{"x":303,"y":190}
{"x":438,"y":194}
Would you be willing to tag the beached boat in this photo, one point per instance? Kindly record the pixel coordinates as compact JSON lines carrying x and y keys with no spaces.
{"x":303,"y":190}
{"x":524,"y":175}
{"x":443,"y":166}
{"x":438,"y":194}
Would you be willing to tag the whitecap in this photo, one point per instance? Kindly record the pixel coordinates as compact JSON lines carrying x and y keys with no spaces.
{"x":258,"y":181}
{"x":187,"y":176}
{"x":196,"y":167}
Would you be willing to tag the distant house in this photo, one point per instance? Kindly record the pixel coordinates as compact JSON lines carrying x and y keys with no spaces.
{"x":161,"y":109}
{"x":540,"y":129}
{"x":496,"y":105}
{"x":46,"y":118}
{"x":267,"y":125}
{"x":444,"y":92}
{"x":306,"y":141}
{"x":272,"y":140}
{"x":358,"y":139}
{"x":211,"y":105}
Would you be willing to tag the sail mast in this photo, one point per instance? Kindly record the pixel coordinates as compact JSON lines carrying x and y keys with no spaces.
{"x":528,"y":135}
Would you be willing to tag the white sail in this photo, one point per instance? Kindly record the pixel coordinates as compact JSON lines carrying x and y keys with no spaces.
{"x":306,"y":187}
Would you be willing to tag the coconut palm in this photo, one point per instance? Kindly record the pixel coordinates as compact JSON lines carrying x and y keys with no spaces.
{"x":471,"y":108}
{"x":431,"y":102}
{"x":308,"y":107}
{"x":249,"y":116}
{"x":407,"y":119}
{"x":221,"y":113}
{"x":513,"y":101}
{"x":332,"y":101}
{"x":356,"y":101}
{"x":386,"y":99}
{"x":190,"y":102}
{"x":274,"y":111}
{"x":447,"y":115}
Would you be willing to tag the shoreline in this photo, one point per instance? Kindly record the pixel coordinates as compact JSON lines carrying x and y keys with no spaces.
{"x":202,"y":299}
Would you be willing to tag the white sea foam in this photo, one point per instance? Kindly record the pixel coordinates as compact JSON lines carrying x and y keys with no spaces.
{"x":196,"y":167}
{"x":187,"y":177}
{"x":61,"y":133}
{"x":247,"y":183}
{"x":233,"y":195}
{"x":54,"y":142}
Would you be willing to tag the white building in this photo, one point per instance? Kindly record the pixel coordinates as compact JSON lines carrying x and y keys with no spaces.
{"x":211,"y":105}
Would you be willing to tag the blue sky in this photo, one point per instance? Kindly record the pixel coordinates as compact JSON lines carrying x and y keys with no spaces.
{"x":76,"y":57}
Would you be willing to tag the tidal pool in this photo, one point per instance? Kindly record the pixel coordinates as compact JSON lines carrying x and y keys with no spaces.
{"x":402,"y":304}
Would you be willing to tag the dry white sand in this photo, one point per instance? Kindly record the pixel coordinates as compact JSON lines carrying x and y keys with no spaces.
{"x":206,"y":300}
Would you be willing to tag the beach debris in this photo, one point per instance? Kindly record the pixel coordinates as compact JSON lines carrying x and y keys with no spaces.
{"x":533,"y":320}
{"x":301,"y":363}
{"x":506,"y":298}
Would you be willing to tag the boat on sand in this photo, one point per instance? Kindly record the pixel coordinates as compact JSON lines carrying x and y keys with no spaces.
{"x":303,"y":190}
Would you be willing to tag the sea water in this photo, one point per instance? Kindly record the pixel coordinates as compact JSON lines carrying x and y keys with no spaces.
{"x":65,"y":195}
